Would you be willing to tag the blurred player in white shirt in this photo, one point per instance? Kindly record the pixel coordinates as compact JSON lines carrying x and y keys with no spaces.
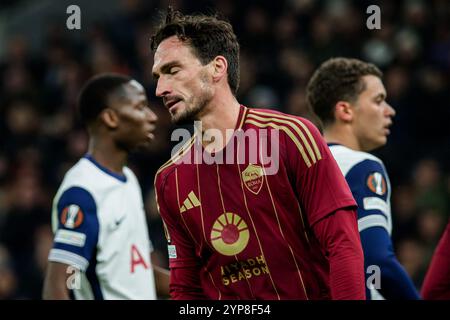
{"x":101,"y":247}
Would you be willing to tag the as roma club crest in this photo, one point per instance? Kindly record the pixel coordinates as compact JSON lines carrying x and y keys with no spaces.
{"x":253,"y":177}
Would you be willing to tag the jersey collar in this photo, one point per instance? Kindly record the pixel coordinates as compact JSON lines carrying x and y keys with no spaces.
{"x":333,"y":144}
{"x":120,"y":177}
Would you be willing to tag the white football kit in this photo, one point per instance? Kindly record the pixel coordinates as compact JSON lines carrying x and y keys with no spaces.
{"x":101,"y":232}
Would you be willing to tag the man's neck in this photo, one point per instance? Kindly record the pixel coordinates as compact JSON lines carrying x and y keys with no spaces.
{"x":222,"y":116}
{"x":342,"y":135}
{"x":107,"y":155}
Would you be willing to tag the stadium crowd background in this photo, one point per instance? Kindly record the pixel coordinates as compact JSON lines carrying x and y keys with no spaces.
{"x":43,"y":65}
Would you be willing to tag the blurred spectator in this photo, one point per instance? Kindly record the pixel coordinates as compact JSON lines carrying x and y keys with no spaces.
{"x":8,"y":280}
{"x":429,"y":184}
{"x":410,"y":253}
{"x":404,"y":212}
{"x":431,"y":225}
{"x":262,"y":96}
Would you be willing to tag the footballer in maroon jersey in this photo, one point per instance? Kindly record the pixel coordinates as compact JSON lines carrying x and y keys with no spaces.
{"x":236,"y":230}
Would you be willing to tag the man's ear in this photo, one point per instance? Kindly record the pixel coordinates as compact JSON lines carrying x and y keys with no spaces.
{"x":343,"y":111}
{"x":220,"y":68}
{"x":109,"y":118}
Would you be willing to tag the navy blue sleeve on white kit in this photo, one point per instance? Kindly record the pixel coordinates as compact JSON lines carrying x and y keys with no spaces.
{"x":370,"y":187}
{"x":76,"y":237}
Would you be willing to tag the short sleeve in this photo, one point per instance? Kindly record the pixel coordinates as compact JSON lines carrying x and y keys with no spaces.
{"x":76,"y":234}
{"x":320,"y":186}
{"x":370,"y":187}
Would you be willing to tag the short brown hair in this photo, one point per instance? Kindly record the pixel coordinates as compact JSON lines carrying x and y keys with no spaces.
{"x":208,"y":36}
{"x":95,"y":93}
{"x":337,"y":79}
